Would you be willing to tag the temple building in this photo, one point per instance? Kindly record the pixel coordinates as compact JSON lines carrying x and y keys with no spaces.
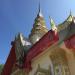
{"x":45,"y":52}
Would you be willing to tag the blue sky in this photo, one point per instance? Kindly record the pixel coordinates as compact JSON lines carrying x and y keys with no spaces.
{"x":18,"y":16}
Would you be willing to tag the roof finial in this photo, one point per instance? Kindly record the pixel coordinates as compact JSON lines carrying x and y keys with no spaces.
{"x":39,"y":13}
{"x":52,"y":23}
{"x":70,"y":13}
{"x":39,"y":7}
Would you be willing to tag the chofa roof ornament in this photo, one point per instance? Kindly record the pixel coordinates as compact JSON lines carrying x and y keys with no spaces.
{"x":52,"y":23}
{"x":70,"y":18}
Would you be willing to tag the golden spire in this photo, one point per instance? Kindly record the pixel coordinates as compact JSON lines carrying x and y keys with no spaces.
{"x":39,"y":28}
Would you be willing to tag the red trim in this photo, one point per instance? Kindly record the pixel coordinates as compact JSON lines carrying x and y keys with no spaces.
{"x":46,"y":41}
{"x":70,"y":43}
{"x":9,"y":63}
{"x":49,"y":39}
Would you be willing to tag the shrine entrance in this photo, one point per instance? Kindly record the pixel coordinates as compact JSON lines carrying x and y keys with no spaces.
{"x":60,"y":63}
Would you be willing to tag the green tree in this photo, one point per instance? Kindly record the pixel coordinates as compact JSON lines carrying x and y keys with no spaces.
{"x":1,"y":67}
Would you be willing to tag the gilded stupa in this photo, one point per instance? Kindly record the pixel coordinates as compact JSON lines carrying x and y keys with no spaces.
{"x":39,"y":28}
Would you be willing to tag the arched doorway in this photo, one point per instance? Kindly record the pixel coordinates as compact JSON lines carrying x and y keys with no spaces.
{"x":59,"y":60}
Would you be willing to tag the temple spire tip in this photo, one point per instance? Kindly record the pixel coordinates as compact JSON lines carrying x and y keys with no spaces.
{"x":39,"y":7}
{"x":70,"y":12}
{"x":40,"y":14}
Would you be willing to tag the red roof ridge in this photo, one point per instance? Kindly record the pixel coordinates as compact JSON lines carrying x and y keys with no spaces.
{"x":47,"y":40}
